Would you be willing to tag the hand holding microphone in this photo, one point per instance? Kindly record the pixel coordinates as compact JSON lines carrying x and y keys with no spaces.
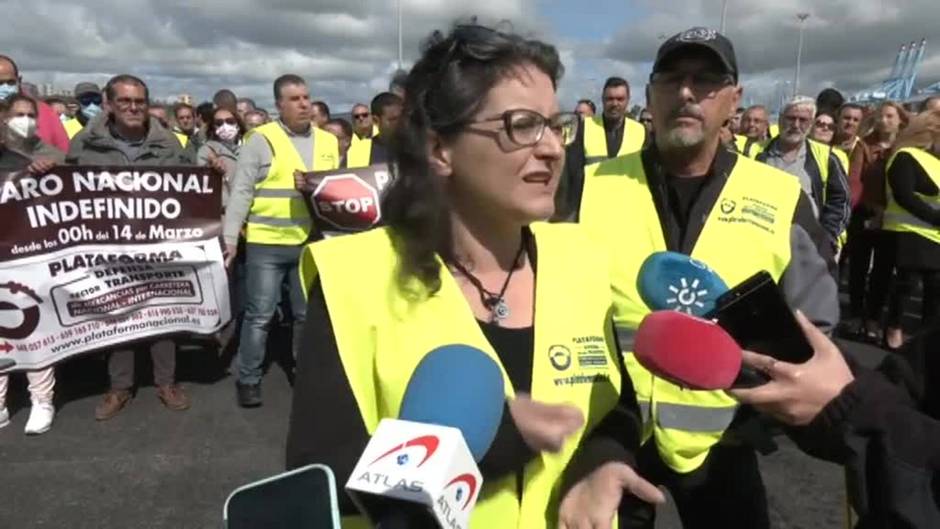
{"x":798,"y":392}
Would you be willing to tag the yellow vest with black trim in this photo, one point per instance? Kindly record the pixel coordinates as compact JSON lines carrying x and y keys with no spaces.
{"x":278,"y":212}
{"x":382,"y":334}
{"x":72,"y":127}
{"x":595,"y":139}
{"x":359,"y":153}
{"x":747,"y":230}
{"x":899,"y":219}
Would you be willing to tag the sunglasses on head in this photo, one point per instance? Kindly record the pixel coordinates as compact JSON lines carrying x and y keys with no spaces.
{"x":226,"y":121}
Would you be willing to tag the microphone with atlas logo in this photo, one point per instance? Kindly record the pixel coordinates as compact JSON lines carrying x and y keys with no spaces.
{"x":419,"y":471}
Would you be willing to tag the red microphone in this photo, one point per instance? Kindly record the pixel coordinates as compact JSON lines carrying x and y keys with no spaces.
{"x":689,"y":351}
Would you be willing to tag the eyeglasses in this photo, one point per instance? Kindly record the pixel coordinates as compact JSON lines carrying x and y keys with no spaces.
{"x":89,"y":99}
{"x":645,"y":120}
{"x":361,"y":116}
{"x":825,"y":125}
{"x":526,"y":127}
{"x":702,"y":82}
{"x":226,"y":121}
{"x":8,"y":82}
{"x":125,"y":102}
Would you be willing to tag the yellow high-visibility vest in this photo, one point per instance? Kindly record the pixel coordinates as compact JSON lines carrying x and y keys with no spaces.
{"x":748,"y":230}
{"x":278,"y":213}
{"x":382,"y":333}
{"x":899,"y":219}
{"x":72,"y":127}
{"x":595,"y":139}
{"x":182,"y":138}
{"x":359,"y":153}
{"x":748,"y":147}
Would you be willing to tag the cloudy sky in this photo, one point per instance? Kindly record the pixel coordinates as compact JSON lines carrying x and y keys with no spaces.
{"x":347,"y":49}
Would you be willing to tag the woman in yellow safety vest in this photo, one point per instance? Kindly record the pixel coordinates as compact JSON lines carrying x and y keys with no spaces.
{"x":464,"y":258}
{"x":913,"y":213}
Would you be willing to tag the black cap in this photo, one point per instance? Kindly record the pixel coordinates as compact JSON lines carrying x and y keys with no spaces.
{"x":703,"y":38}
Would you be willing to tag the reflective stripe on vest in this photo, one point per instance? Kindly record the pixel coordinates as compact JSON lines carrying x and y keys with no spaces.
{"x":278,"y":213}
{"x":754,"y":211}
{"x":899,"y":219}
{"x":383,"y":333}
{"x":359,"y":153}
{"x":595,"y":139}
{"x":72,"y":127}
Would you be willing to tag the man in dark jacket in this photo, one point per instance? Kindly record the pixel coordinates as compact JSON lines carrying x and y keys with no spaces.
{"x":819,"y":171}
{"x":882,"y":423}
{"x":129,"y":136}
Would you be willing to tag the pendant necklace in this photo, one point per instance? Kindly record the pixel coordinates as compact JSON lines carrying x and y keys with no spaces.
{"x":494,"y":302}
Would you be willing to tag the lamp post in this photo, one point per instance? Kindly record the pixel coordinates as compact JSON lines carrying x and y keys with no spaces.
{"x":399,"y":36}
{"x":724,"y":11}
{"x":799,"y":52}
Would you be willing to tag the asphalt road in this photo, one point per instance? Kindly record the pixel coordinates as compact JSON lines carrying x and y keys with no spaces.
{"x":153,"y":468}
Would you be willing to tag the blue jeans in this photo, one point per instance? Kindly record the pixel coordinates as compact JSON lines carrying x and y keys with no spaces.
{"x":266,"y":266}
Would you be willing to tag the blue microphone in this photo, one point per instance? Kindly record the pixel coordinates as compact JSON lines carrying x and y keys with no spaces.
{"x":675,"y":281}
{"x":458,"y":386}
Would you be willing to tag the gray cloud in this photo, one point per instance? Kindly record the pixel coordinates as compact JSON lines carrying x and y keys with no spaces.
{"x":347,"y":49}
{"x":849,"y":44}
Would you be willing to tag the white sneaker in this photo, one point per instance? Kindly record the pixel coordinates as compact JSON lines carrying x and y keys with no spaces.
{"x":40,"y":419}
{"x":4,"y":417}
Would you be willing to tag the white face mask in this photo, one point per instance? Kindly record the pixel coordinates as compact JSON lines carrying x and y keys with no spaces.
{"x":22,"y":126}
{"x":226,"y":132}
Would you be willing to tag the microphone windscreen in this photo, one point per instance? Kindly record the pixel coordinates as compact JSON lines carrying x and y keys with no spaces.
{"x":675,"y":281}
{"x":458,"y":386}
{"x":688,"y":351}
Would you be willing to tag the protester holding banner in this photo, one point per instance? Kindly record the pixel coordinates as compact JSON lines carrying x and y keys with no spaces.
{"x":42,"y":381}
{"x":278,"y":222}
{"x":20,"y":135}
{"x":479,"y":154}
{"x":48,"y":125}
{"x":128,"y":137}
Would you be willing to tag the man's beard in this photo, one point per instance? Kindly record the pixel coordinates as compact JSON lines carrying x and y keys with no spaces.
{"x":681,"y":138}
{"x":793,"y":138}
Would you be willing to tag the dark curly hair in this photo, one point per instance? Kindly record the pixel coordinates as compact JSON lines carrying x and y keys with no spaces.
{"x":443,"y":93}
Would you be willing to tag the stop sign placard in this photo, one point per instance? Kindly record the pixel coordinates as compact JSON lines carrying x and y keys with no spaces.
{"x":347,"y":202}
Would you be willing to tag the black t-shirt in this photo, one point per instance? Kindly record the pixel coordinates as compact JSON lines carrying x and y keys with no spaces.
{"x":514,"y":349}
{"x":683,"y":192}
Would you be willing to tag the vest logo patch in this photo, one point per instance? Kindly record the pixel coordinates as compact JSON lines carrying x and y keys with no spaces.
{"x":560,"y":357}
{"x":751,"y":211}
{"x":592,"y":352}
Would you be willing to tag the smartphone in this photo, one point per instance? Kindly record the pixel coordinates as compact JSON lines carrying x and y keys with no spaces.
{"x":757,"y":316}
{"x":305,"y":497}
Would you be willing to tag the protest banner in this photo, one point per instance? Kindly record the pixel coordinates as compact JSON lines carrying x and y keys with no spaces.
{"x":92,"y":257}
{"x":344,"y":201}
